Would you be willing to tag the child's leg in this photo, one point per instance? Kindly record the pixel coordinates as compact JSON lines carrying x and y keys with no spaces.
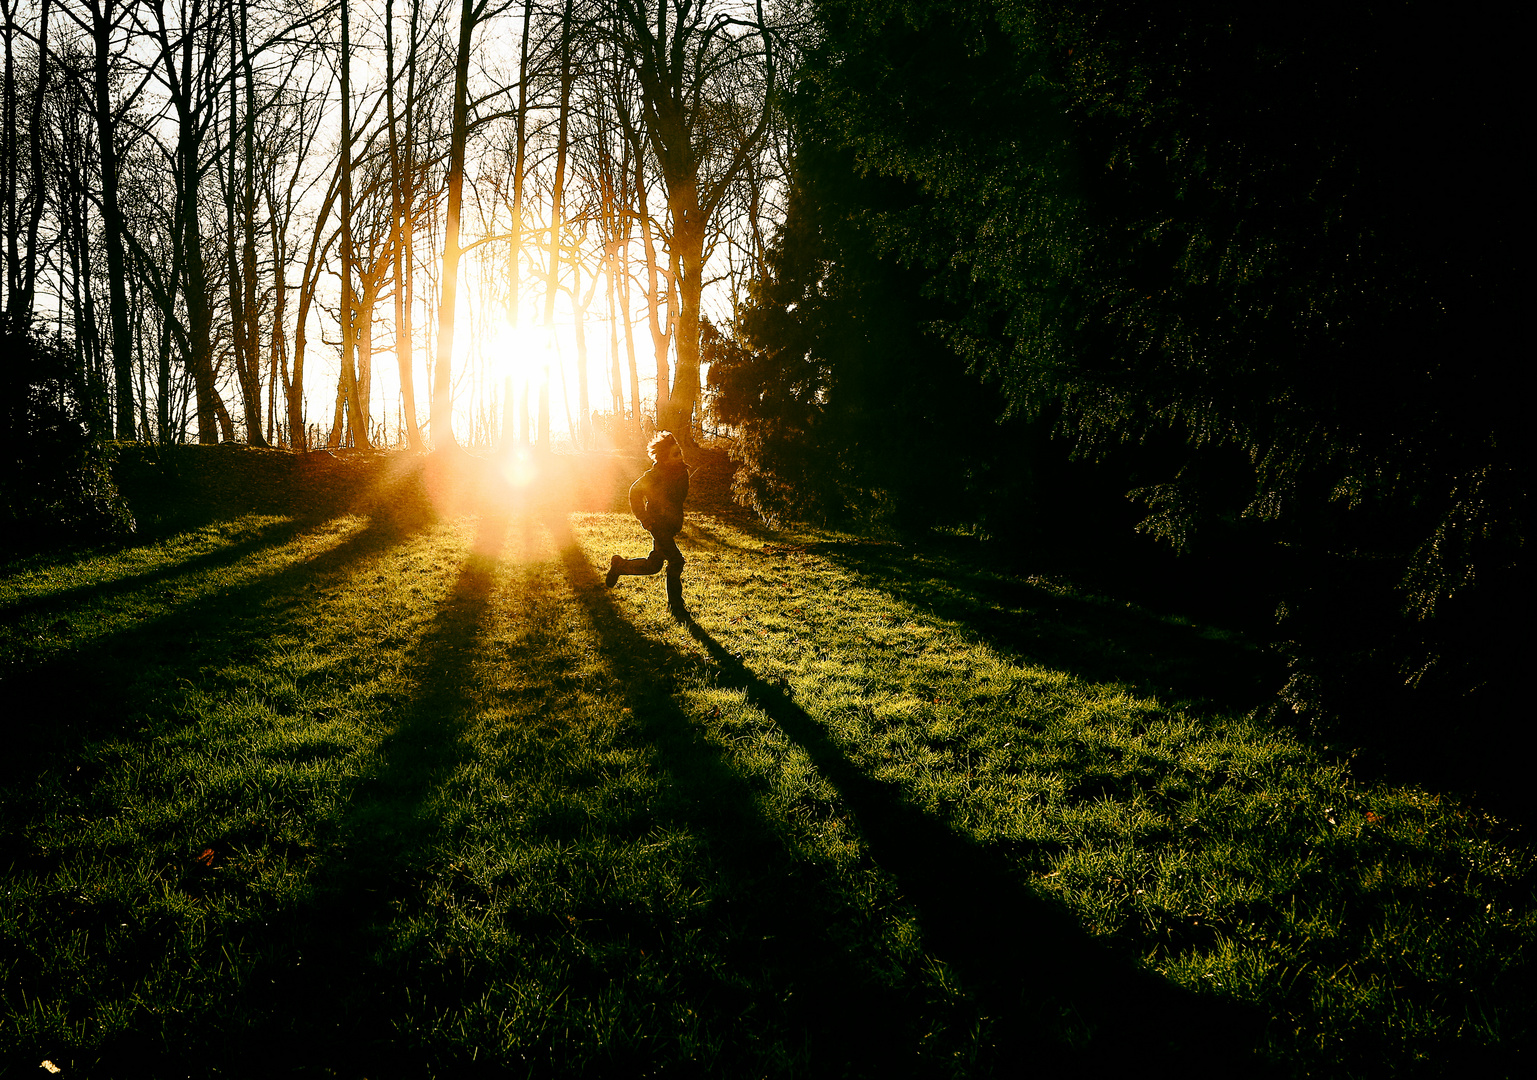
{"x":640,"y":567}
{"x":660,"y":547}
{"x":674,"y":557}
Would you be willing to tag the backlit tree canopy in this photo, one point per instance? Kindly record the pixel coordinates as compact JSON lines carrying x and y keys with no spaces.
{"x":231,"y":210}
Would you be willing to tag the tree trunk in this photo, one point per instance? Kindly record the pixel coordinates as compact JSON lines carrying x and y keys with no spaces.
{"x":400,"y":223}
{"x":661,"y":331}
{"x":8,"y":160}
{"x":167,"y":301}
{"x":199,"y":310}
{"x":609,"y":218}
{"x":688,"y":237}
{"x":250,"y":307}
{"x":515,"y":260}
{"x":225,"y":423}
{"x":163,"y":387}
{"x":199,"y":346}
{"x":365,"y":347}
{"x":681,"y":122}
{"x":629,"y":339}
{"x":557,"y":197}
{"x":245,"y":360}
{"x":615,"y":375}
{"x":442,"y":383}
{"x":338,"y":437}
{"x":307,"y":283}
{"x":582,"y":433}
{"x":279,"y":337}
{"x":370,"y":281}
{"x":20,"y":300}
{"x":356,"y":411}
{"x":112,"y":221}
{"x":76,"y":233}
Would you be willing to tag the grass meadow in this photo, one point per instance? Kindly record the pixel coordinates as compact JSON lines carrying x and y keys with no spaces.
{"x":403,"y":793}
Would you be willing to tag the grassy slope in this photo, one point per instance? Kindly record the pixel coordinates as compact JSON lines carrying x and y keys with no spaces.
{"x":389,"y":796}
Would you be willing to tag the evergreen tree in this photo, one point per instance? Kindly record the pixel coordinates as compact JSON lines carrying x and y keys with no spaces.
{"x":849,"y":408}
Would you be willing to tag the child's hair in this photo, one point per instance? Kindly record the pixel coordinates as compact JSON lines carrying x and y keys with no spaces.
{"x":661,"y":440}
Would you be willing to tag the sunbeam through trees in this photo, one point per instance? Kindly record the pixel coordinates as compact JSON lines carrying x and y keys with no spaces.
{"x":220,"y":207}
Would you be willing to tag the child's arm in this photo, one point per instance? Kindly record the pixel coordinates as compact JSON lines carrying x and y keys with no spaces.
{"x":639,"y":501}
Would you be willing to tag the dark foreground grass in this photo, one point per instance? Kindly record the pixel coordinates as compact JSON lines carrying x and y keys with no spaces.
{"x":393,"y":797}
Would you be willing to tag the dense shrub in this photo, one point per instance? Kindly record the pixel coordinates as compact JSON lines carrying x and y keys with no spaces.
{"x":56,"y":480}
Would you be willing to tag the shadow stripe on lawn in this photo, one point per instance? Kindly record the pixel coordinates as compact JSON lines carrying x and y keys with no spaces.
{"x":86,"y":685}
{"x":74,"y":597}
{"x":781,"y":941}
{"x":1058,"y":998}
{"x":336,"y":1010}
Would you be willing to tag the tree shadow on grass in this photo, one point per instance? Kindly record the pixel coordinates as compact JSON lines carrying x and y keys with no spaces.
{"x":1399,"y":735}
{"x":1047,"y":996}
{"x":89,"y":690}
{"x":324,"y":994}
{"x":773,"y":912}
{"x":1035,"y":622}
{"x":325,"y":988}
{"x":268,"y":535}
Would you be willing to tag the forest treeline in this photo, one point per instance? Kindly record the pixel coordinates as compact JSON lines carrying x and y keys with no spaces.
{"x":209,"y":201}
{"x":1247,"y":279}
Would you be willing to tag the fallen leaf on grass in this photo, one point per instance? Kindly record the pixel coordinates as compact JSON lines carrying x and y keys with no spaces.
{"x":50,"y":1066}
{"x":206,"y":858}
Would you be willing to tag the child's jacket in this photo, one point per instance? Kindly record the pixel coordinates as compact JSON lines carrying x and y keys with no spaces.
{"x":657,"y":498}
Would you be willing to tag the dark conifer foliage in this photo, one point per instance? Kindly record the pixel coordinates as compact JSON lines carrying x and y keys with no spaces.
{"x":847,"y":410}
{"x":1264,"y":263}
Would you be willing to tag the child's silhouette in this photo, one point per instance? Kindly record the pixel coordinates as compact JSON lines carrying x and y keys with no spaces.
{"x":657,"y":499}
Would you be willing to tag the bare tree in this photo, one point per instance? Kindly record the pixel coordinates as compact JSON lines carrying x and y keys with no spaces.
{"x":357,"y":410}
{"x":186,"y":53}
{"x":168,"y":209}
{"x":102,"y":22}
{"x":706,"y":79}
{"x":10,"y":164}
{"x":603,"y":156}
{"x":289,"y":139}
{"x":402,"y":202}
{"x":470,"y":14}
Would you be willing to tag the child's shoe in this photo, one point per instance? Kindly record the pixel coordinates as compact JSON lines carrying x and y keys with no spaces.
{"x":612,"y":577}
{"x":675,"y":598}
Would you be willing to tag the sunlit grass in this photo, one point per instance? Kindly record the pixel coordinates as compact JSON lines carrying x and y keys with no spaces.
{"x":395,"y":800}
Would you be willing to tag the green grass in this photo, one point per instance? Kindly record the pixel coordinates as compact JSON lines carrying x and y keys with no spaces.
{"x":393,"y":797}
